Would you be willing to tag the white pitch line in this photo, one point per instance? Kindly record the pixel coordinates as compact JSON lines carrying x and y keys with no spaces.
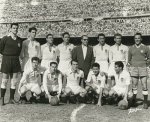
{"x":74,"y":112}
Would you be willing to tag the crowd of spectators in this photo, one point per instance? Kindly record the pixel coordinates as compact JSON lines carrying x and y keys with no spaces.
{"x":54,"y":12}
{"x":15,"y":10}
{"x":126,"y":27}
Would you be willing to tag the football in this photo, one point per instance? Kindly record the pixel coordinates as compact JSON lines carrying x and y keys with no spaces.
{"x":54,"y":101}
{"x":123,"y":105}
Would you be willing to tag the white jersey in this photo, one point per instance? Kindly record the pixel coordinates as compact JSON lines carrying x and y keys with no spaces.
{"x":48,"y":55}
{"x":73,"y":78}
{"x":98,"y":81}
{"x":31,"y":76}
{"x":52,"y":79}
{"x":64,"y":51}
{"x":29,"y":49}
{"x":118,"y":53}
{"x":101,"y":54}
{"x":65,"y":57}
{"x":123,"y":79}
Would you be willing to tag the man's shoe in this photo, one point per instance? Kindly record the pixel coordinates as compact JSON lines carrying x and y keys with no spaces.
{"x":2,"y":102}
{"x":145,"y":105}
{"x":33,"y":100}
{"x":12,"y":101}
{"x":23,"y":100}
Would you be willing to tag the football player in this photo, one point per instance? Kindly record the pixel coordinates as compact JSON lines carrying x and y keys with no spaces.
{"x":52,"y":81}
{"x":117,"y":52}
{"x":30,"y":48}
{"x":101,"y":53}
{"x":120,"y":83}
{"x":73,"y":77}
{"x":96,"y":83}
{"x":48,"y":52}
{"x":30,"y":81}
{"x":139,"y":59}
{"x":65,"y":53}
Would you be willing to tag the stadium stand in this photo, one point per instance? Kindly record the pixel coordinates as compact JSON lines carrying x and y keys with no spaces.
{"x":54,"y":16}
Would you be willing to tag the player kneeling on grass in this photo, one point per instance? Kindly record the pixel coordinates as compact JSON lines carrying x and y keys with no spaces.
{"x":72,"y":79}
{"x":30,"y":81}
{"x":52,"y":81}
{"x":120,"y":83}
{"x":96,"y":83}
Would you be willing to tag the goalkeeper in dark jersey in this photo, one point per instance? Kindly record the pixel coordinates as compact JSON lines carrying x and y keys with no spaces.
{"x":10,"y":48}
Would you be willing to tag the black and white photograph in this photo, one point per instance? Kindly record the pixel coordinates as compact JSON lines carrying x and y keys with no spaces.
{"x":74,"y":60}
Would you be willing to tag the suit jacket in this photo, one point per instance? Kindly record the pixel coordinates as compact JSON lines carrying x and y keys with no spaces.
{"x":84,"y":64}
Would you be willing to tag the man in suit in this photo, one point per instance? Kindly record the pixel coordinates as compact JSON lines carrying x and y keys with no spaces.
{"x":84,"y":55}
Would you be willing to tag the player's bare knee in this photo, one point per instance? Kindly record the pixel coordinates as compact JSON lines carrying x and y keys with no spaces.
{"x":105,"y":92}
{"x":111,"y":92}
{"x":68,"y":90}
{"x":13,"y":83}
{"x":130,"y":94}
{"x":5,"y":76}
{"x":4,"y":83}
{"x":36,"y":90}
{"x":88,"y":88}
{"x":83,"y":93}
{"x":23,"y":90}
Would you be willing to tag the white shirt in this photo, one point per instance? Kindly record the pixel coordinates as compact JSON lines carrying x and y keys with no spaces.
{"x":52,"y":79}
{"x":84,"y":48}
{"x":31,"y":49}
{"x":101,"y":53}
{"x":122,"y":79}
{"x":73,"y":79}
{"x":48,"y":54}
{"x":65,"y":52}
{"x":31,"y":76}
{"x":118,"y":53}
{"x":96,"y":80}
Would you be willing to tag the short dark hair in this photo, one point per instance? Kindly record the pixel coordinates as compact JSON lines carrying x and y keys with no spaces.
{"x":35,"y":59}
{"x":101,"y":34}
{"x":65,"y":33}
{"x":117,"y":34}
{"x":95,"y":65}
{"x":119,"y":64}
{"x":16,"y":24}
{"x":49,"y":35}
{"x":137,"y":34}
{"x":53,"y":62}
{"x":32,"y":28}
{"x":73,"y":61}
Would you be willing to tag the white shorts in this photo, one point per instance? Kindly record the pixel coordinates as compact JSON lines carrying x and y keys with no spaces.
{"x":103,"y":66}
{"x":34,"y":87}
{"x":98,"y":88}
{"x":119,"y":90}
{"x":63,"y":66}
{"x":77,"y":89}
{"x":51,"y":88}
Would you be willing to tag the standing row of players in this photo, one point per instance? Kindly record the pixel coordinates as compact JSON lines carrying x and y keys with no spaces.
{"x":137,"y":57}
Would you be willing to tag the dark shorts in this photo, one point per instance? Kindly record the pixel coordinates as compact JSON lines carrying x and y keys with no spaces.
{"x":10,"y":64}
{"x":138,"y":71}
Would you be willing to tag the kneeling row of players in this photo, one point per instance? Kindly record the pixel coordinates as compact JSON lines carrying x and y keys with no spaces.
{"x":96,"y":90}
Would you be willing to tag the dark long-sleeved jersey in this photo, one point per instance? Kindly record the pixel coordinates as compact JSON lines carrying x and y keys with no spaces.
{"x":10,"y":47}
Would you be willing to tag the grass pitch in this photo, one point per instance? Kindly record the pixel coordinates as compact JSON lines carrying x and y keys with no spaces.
{"x":62,"y":113}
